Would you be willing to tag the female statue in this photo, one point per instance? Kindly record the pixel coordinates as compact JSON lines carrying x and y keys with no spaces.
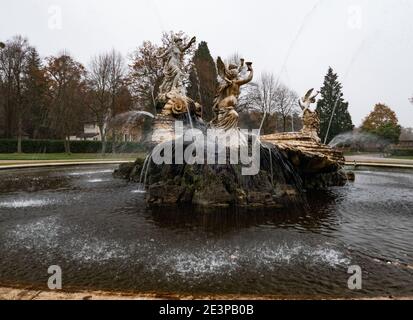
{"x":173,"y":66}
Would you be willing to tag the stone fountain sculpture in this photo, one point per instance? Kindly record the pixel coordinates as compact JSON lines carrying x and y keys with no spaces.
{"x":172,"y":97}
{"x":173,"y":68}
{"x":311,"y":119}
{"x":226,"y":117}
{"x":288,"y":162}
{"x":319,"y":165}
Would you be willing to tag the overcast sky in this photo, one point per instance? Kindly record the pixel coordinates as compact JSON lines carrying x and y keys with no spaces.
{"x":369,"y":43}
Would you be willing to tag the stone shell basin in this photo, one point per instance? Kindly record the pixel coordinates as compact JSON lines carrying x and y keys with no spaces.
{"x":307,"y":154}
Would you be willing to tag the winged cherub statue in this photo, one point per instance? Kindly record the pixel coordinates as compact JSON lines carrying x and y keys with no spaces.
{"x":311,"y":119}
{"x":226,"y":117}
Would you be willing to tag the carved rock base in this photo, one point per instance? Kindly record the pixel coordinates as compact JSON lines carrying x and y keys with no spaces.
{"x":290,"y":162}
{"x":163,"y":129}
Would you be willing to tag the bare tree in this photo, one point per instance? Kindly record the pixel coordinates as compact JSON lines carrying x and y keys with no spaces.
{"x":234,"y":58}
{"x":99,"y":92}
{"x":268,"y":93}
{"x":117,"y":77}
{"x":286,"y":103}
{"x":271,"y":98}
{"x":105,"y":79}
{"x":259,"y":98}
{"x":117,"y":87}
{"x":262,"y":95}
{"x":248,"y":98}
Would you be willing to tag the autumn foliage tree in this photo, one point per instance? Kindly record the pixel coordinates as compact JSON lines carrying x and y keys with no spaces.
{"x":383,"y":122}
{"x":145,"y":76}
{"x":67,"y":84}
{"x":146,"y":71}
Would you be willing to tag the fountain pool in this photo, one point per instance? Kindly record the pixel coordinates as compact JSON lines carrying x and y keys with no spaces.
{"x":99,"y":231}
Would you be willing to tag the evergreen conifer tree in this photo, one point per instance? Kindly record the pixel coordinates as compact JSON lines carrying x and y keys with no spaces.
{"x":332,"y":101}
{"x":203,"y":79}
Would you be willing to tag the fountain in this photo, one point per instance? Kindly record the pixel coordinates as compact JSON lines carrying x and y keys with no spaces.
{"x":217,"y":164}
{"x":104,"y":238}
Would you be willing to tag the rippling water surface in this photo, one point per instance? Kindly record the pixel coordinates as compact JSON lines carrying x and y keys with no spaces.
{"x":99,"y":231}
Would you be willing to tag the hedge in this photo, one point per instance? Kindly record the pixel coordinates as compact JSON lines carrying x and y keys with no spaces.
{"x":57,"y":146}
{"x":401,"y":152}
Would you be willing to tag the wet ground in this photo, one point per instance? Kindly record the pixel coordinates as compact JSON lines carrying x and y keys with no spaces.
{"x":100,"y":233}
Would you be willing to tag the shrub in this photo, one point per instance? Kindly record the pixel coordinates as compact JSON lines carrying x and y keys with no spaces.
{"x":402,"y":152}
{"x":8,"y":146}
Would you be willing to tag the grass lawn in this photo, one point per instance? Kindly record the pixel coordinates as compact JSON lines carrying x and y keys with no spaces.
{"x":350,"y":153}
{"x":401,"y":157}
{"x":67,"y":157}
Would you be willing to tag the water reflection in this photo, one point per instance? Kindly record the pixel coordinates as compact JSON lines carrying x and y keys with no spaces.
{"x":317,"y":216}
{"x":32,"y":181}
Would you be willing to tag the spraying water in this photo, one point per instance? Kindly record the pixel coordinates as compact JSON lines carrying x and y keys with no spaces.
{"x":190,"y":118}
{"x":143,"y":174}
{"x":129,"y":118}
{"x":360,"y":140}
{"x":353,"y":60}
{"x":290,"y":50}
{"x":271,"y":165}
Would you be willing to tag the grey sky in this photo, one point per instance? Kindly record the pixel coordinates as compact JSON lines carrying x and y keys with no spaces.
{"x":369,"y":43}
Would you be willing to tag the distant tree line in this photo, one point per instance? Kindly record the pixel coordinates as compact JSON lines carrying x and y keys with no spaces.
{"x":53,"y":97}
